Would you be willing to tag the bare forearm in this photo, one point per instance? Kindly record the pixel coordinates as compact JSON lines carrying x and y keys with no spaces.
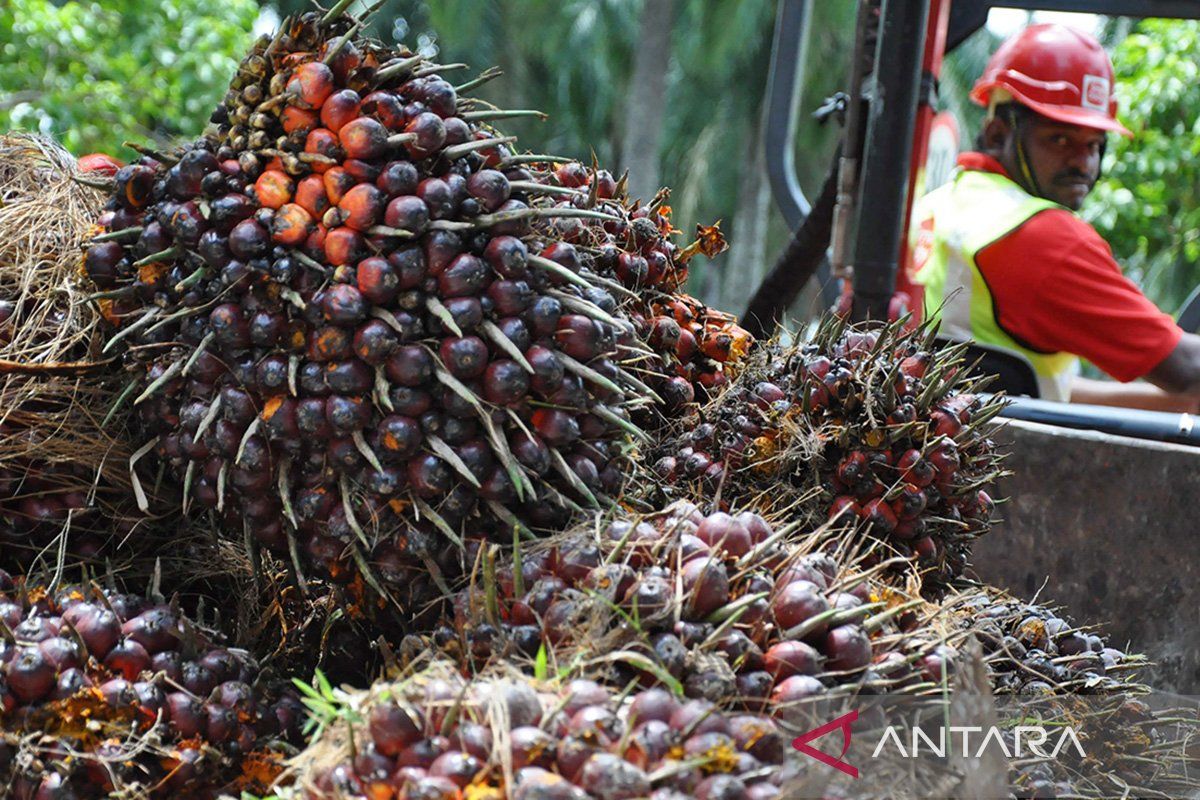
{"x":1132,"y":395}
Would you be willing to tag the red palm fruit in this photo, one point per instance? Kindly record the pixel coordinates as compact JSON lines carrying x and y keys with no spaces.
{"x":796,"y":602}
{"x":910,"y":503}
{"x":385,"y":107}
{"x":400,"y":438}
{"x":758,"y":528}
{"x":925,"y":548}
{"x":398,"y":178}
{"x":343,"y":304}
{"x":459,"y":767}
{"x":852,"y":468}
{"x":543,"y":316}
{"x":249,"y":240}
{"x":291,"y":225}
{"x":101,"y":163}
{"x":914,"y":469}
{"x":410,"y":365}
{"x":705,"y":585}
{"x":880,"y":515}
{"x":428,"y":134}
{"x":347,"y":414}
{"x":343,"y":246}
{"x":505,"y":382}
{"x":337,"y":182}
{"x":429,"y":476}
{"x":299,"y":120}
{"x":664,"y":334}
{"x":440,"y":96}
{"x":720,"y":531}
{"x":347,"y":377}
{"x":377,"y":280}
{"x":407,"y":213}
{"x":510,"y":298}
{"x":572,"y":174}
{"x":156,"y":629}
{"x":489,"y":187}
{"x":465,"y":276}
{"x":97,"y":626}
{"x":508,"y":256}
{"x":632,"y":269}
{"x":531,"y":746}
{"x":440,"y":249}
{"x":579,"y":337}
{"x":847,"y":648}
{"x":29,"y":675}
{"x":556,"y":427}
{"x":330,"y":343}
{"x":134,"y":185}
{"x":465,"y":357}
{"x":344,"y":61}
{"x":311,"y":83}
{"x":548,"y":370}
{"x":944,"y":458}
{"x":677,"y":392}
{"x":361,"y":171}
{"x":374,"y":342}
{"x":944,"y":424}
{"x":532,"y":452}
{"x":129,"y":658}
{"x":362,"y":205}
{"x":363,"y":138}
{"x":686,"y":349}
{"x":339,"y":108}
{"x":311,"y":196}
{"x":438,"y":196}
{"x":323,"y":142}
{"x":228,"y":326}
{"x":274,"y":188}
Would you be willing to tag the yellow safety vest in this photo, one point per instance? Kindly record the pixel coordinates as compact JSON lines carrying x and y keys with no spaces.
{"x":950,"y":226}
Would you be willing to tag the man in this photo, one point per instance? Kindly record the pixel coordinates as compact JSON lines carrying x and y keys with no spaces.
{"x":1004,"y":259}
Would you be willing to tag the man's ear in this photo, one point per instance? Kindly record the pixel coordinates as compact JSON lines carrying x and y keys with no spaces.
{"x":996,"y":133}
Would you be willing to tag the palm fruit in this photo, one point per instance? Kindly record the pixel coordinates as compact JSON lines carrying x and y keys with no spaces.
{"x":725,"y":608}
{"x":505,"y":734}
{"x":874,"y":424}
{"x":350,"y":332}
{"x":123,"y":694}
{"x":64,"y":476}
{"x":1031,"y":649}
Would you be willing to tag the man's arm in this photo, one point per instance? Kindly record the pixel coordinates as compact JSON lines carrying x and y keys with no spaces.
{"x":1172,"y":385}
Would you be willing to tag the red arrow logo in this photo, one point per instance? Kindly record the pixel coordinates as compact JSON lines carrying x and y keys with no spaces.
{"x":844,"y":722}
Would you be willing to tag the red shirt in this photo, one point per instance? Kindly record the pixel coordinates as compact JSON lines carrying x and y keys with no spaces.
{"x":1056,"y":288}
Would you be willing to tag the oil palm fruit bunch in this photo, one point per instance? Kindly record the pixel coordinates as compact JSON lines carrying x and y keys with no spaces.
{"x":504,"y":734}
{"x":122,"y":692}
{"x":722,"y":608}
{"x":1033,"y":650}
{"x":350,"y":332}
{"x":875,"y":424}
{"x":64,"y":478}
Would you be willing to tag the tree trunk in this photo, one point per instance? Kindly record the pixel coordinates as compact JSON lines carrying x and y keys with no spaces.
{"x":745,"y":265}
{"x":647,"y":98}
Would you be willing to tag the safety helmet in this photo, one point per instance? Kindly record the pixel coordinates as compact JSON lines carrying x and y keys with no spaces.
{"x":1057,"y":71}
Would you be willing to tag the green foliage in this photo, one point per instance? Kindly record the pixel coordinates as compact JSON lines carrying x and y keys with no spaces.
{"x":1147,"y":206}
{"x":96,"y":74}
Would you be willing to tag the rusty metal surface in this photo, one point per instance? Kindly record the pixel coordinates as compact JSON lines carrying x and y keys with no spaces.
{"x":1109,"y":528}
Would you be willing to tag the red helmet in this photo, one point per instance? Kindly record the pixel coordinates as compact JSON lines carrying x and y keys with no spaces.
{"x":1059,"y":72}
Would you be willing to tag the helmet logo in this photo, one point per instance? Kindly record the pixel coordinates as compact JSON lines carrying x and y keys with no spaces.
{"x":1095,"y":92}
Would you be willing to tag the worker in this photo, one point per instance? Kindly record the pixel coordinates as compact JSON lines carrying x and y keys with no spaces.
{"x":1005,"y":260}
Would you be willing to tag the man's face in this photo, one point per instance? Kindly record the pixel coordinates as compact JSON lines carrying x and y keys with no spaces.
{"x":1065,"y":159}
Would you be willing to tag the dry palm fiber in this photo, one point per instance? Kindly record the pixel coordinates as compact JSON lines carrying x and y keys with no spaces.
{"x":859,"y":424}
{"x":64,"y":472}
{"x":353,"y":335}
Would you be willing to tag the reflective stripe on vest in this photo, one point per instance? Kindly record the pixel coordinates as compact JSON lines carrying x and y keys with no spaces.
{"x":966,"y":215}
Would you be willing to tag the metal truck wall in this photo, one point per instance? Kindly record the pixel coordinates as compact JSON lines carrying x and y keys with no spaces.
{"x":1109,"y":528}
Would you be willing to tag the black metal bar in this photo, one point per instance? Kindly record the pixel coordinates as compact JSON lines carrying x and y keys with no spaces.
{"x":1158,"y":425}
{"x":875,"y":244}
{"x":968,"y":16}
{"x":783,"y":93}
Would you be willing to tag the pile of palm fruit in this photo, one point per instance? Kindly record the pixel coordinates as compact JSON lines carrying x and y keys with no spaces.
{"x":450,"y":430}
{"x":872,"y":425}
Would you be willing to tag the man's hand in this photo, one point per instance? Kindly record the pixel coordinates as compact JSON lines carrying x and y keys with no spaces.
{"x":1179,"y":372}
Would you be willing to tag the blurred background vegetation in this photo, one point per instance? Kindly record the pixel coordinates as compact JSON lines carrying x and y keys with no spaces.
{"x":670,"y":89}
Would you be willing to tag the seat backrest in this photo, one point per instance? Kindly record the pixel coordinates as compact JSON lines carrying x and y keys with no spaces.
{"x":1014,"y":374}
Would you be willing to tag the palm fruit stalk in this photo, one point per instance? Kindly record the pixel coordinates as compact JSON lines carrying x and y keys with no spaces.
{"x":870,"y":426}
{"x":347,"y":334}
{"x":65,"y":483}
{"x":720,"y":608}
{"x":505,"y":734}
{"x":103,"y":692}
